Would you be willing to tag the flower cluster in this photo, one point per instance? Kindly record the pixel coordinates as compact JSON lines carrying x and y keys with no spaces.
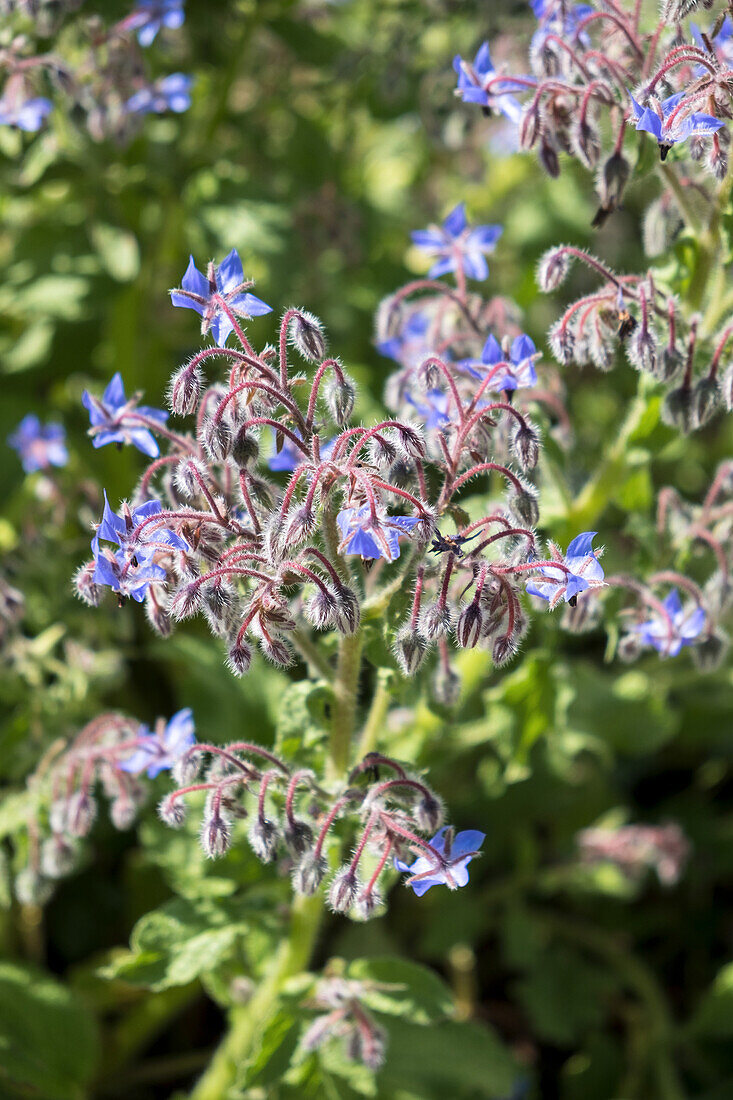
{"x":342,"y":1015}
{"x":634,"y":848}
{"x":293,"y":816}
{"x":110,"y":90}
{"x":39,"y":445}
{"x":281,"y":515}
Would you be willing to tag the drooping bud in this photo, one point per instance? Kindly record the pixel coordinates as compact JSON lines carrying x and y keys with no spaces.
{"x":239,"y":657}
{"x":436,"y":619}
{"x":216,"y":835}
{"x":321,"y":609}
{"x":429,"y":812}
{"x":726,"y":388}
{"x":367,"y":1045}
{"x":562,"y":342}
{"x":368,"y":903}
{"x":340,"y":397}
{"x":503,"y":649}
{"x":641,"y":349}
{"x":184,"y":390}
{"x":156,"y":610}
{"x":298,"y":836}
{"x":708,"y":654}
{"x":629,"y":648}
{"x":82,"y":812}
{"x":548,"y":158}
{"x":172,"y":811}
{"x":525,"y":506}
{"x":410,"y":647}
{"x":668,"y":364}
{"x":309,"y":874}
{"x":553,"y":269}
{"x":278,"y":651}
{"x":245,"y":448}
{"x":343,"y":890}
{"x":611,"y":183}
{"x":306,"y":333}
{"x":187,"y":601}
{"x":411,"y":441}
{"x":678,"y":409}
{"x":348,"y":612}
{"x":445,"y":685}
{"x":527,"y":446}
{"x":216,"y":437}
{"x":301,"y":526}
{"x":123,"y":812}
{"x":264,"y":837}
{"x":705,"y":397}
{"x":58,"y":857}
{"x":32,"y":888}
{"x":468,"y":628}
{"x":85,"y":587}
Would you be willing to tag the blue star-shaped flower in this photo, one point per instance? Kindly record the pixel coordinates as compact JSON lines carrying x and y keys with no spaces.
{"x":171,"y":93}
{"x":585,"y":571}
{"x":151,"y":15}
{"x":28,"y":116}
{"x":160,"y":750}
{"x":519,"y":373}
{"x":456,"y":246}
{"x":670,"y":126}
{"x":112,"y":419}
{"x":409,"y":347}
{"x":472,"y":85}
{"x":369,"y":538}
{"x":39,"y":445}
{"x":225,"y":281}
{"x":457,"y":851}
{"x":130,"y":569}
{"x":668,"y":633}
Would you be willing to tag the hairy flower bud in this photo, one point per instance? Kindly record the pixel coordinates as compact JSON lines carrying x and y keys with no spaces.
{"x":611,"y":184}
{"x":122,"y":812}
{"x":409,"y":647}
{"x":503,"y":649}
{"x":678,"y":409}
{"x":709,"y":652}
{"x":553,"y":269}
{"x":629,"y":648}
{"x":278,"y":651}
{"x":302,"y":524}
{"x":340,"y":397}
{"x":187,"y":601}
{"x":82,"y":812}
{"x":309,"y":874}
{"x":216,"y":835}
{"x":298,"y":836}
{"x":668,"y":364}
{"x":411,"y":441}
{"x":343,"y":890}
{"x":429,"y":812}
{"x":527,"y":446}
{"x":562,"y":342}
{"x":245,"y":448}
{"x":264,"y":837}
{"x":525,"y":506}
{"x":156,"y":611}
{"x":368,"y":903}
{"x":705,"y":397}
{"x":436,"y":620}
{"x":445,"y":686}
{"x":85,"y":587}
{"x":239,"y":657}
{"x":468,"y":628}
{"x":184,"y":390}
{"x":641,"y":349}
{"x":548,"y":158}
{"x":216,"y":437}
{"x":172,"y":811}
{"x":32,"y":888}
{"x":347,"y":609}
{"x":58,"y":857}
{"x":321,"y":609}
{"x":306,"y":333}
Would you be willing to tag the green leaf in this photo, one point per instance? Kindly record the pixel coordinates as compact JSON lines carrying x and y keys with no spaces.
{"x":48,"y":1040}
{"x":402,"y":988}
{"x":118,"y":251}
{"x":714,"y":1015}
{"x":302,"y":720}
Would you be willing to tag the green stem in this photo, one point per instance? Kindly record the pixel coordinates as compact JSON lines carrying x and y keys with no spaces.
{"x":374,"y":724}
{"x":345,"y":690}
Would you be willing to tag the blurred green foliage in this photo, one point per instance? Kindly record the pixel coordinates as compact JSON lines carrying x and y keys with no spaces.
{"x":319,"y":135}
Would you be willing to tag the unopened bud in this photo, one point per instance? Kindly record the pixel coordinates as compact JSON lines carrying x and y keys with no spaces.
{"x":32,"y":888}
{"x":217,"y":438}
{"x":678,"y":410}
{"x":245,"y":448}
{"x":468,"y":628}
{"x":239,"y":658}
{"x":309,"y":874}
{"x":726,"y":388}
{"x":347,"y":609}
{"x":58,"y":857}
{"x":278,"y":651}
{"x":81,"y":814}
{"x":629,"y":648}
{"x":343,"y":890}
{"x":172,"y":811}
{"x":436,"y":620}
{"x":525,"y":507}
{"x":307,"y":335}
{"x":410,"y":647}
{"x":445,"y":685}
{"x":705,"y":396}
{"x":85,"y":587}
{"x":123,"y":812}
{"x":553,"y":269}
{"x":429,"y":813}
{"x":264,"y":837}
{"x":216,"y":835}
{"x":340,"y":397}
{"x":184,"y":391}
{"x":708,"y":654}
{"x":298,"y":836}
{"x":368,"y":903}
{"x":527,"y":447}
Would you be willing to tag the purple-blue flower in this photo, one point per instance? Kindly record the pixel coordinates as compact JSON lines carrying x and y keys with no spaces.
{"x":289,"y":456}
{"x":150,"y":15}
{"x":669,"y":123}
{"x":456,"y":247}
{"x":225,"y":281}
{"x":431,"y":407}
{"x":723,"y":42}
{"x":28,"y":115}
{"x":161,"y":749}
{"x":114,"y":419}
{"x":39,"y":445}
{"x":131,"y":568}
{"x":517,"y":373}
{"x":473,"y":80}
{"x":677,"y":626}
{"x":372,"y":537}
{"x":170,"y":93}
{"x":582,"y":570}
{"x":456,"y":852}
{"x":409,"y":347}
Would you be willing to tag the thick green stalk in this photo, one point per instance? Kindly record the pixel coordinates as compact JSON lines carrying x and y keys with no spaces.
{"x":345,"y":689}
{"x":374,"y":724}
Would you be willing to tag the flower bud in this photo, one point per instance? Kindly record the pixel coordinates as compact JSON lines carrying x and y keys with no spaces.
{"x":187,"y":601}
{"x":58,"y":815}
{"x":562,"y":342}
{"x":216,"y":835}
{"x":641,"y":349}
{"x":411,"y":441}
{"x":726,"y":388}
{"x":368,"y":903}
{"x":468,"y":628}
{"x":678,"y":409}
{"x":264,"y":837}
{"x":85,"y":587}
{"x":366,"y":1045}
{"x":321,"y":609}
{"x":709,"y":652}
{"x":409,"y":647}
{"x":436,"y":620}
{"x":81,"y":814}
{"x":156,"y":612}
{"x":347,"y":609}
{"x":548,"y":158}
{"x":239,"y":658}
{"x":302,"y":524}
{"x":527,"y":447}
{"x":340,"y":397}
{"x":31,"y":888}
{"x":705,"y":397}
{"x":309,"y":874}
{"x":298,"y":836}
{"x":429,"y":813}
{"x":122,"y":812}
{"x":184,"y":390}
{"x":629,"y":648}
{"x":245,"y":448}
{"x":553,"y":269}
{"x":58,"y":857}
{"x":525,"y":507}
{"x":278,"y":651}
{"x":503,"y":649}
{"x":668,"y":364}
{"x":172,"y":811}
{"x":343,"y":890}
{"x":307,"y":336}
{"x":216,"y":438}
